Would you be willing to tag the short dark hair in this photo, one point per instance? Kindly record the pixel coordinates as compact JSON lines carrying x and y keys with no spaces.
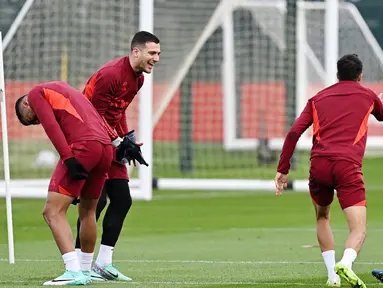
{"x":142,"y":37}
{"x":349,"y":67}
{"x":18,"y":110}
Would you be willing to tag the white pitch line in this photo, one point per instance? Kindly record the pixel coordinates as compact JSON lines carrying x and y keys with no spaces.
{"x":234,"y":229}
{"x":203,"y":262}
{"x":198,"y":283}
{"x":170,"y":283}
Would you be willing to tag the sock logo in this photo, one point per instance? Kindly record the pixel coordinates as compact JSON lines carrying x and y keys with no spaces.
{"x":62,"y":280}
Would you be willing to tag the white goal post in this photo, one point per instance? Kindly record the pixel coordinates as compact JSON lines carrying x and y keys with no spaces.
{"x":305,"y":56}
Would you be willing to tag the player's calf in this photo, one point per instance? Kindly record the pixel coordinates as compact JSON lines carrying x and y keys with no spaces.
{"x":54,"y":214}
{"x":324,"y":233}
{"x":102,"y":201}
{"x":326,"y":242}
{"x":120,"y":203}
{"x":356,"y":219}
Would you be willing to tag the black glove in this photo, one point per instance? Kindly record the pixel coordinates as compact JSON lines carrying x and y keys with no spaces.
{"x":76,"y":170}
{"x":76,"y":201}
{"x":128,"y":150}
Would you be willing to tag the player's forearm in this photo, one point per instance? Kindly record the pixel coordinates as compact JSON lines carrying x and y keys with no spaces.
{"x":116,"y":140}
{"x":287,"y":152}
{"x":377,"y":109}
{"x":122,"y":127}
{"x":121,"y":131}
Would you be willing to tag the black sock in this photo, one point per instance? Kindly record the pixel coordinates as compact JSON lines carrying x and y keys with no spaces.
{"x":120,"y":203}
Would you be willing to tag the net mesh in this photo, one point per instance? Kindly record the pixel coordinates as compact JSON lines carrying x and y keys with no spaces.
{"x":69,"y":40}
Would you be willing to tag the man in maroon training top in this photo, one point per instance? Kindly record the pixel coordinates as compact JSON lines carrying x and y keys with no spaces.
{"x":339,"y":115}
{"x":111,"y":89}
{"x":77,"y":132}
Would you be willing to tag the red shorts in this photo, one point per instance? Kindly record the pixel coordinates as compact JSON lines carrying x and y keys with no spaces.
{"x":96,"y":158}
{"x":117,"y":170}
{"x":343,"y":176}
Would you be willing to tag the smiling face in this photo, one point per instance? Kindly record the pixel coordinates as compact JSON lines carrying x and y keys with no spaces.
{"x":145,"y":57}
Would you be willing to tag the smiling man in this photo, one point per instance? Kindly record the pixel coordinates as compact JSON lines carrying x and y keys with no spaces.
{"x":111,"y":89}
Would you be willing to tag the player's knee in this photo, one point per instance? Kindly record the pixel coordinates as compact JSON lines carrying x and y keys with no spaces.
{"x":50,"y":214}
{"x":323,"y":215}
{"x":322,"y":212}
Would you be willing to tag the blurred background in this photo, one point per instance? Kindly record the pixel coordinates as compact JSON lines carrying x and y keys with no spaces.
{"x":211,"y":122}
{"x":232,"y":76}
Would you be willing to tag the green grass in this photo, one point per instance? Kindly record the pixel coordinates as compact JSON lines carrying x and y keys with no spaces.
{"x":201,"y":239}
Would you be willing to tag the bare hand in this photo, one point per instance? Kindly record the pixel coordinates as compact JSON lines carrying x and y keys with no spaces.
{"x":281,"y":181}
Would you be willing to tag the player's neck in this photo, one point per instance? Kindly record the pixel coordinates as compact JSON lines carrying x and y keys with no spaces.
{"x":134,"y":66}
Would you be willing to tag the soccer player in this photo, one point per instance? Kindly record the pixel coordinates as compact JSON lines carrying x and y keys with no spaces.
{"x":339,"y":115}
{"x":77,"y":132}
{"x":111,"y":89}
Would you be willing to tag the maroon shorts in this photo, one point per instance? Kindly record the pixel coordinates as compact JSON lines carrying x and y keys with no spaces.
{"x":96,"y":158}
{"x":117,"y":170}
{"x":343,"y":176}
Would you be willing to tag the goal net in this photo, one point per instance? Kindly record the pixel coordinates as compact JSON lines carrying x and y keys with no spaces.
{"x":56,"y":40}
{"x":220,"y":104}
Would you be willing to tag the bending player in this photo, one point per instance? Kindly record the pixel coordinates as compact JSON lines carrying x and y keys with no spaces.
{"x":77,"y":133}
{"x":111,"y":89}
{"x":339,"y":115}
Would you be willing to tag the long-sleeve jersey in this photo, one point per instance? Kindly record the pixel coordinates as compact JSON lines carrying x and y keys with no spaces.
{"x":111,"y":89}
{"x":339,"y":115}
{"x":66,"y":116}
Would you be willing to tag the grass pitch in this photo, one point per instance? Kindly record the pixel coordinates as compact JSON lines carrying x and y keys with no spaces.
{"x":201,"y":239}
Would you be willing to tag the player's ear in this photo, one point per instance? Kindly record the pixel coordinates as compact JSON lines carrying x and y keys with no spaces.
{"x":25,"y":103}
{"x":360,"y":77}
{"x":136,"y":52}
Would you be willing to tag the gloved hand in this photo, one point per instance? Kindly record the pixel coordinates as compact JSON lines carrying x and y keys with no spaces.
{"x":129,"y":150}
{"x":76,"y":170}
{"x":76,"y":201}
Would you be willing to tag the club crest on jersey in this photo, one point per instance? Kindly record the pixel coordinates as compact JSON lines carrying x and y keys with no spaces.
{"x":124,"y":86}
{"x":119,"y":103}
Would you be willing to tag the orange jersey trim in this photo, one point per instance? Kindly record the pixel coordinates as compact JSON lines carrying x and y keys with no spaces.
{"x":60,"y":102}
{"x":112,"y":134}
{"x":316,"y":125}
{"x":119,"y":129}
{"x":361,"y":203}
{"x":364,"y":126}
{"x":90,"y":87}
{"x":64,"y":191}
